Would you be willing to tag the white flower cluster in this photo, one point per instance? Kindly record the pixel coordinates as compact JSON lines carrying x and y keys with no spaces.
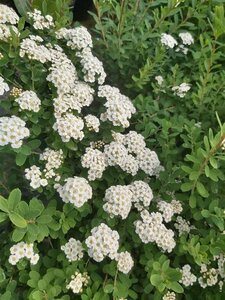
{"x":5,"y":31}
{"x":124,"y":262}
{"x":73,"y":250}
{"x":37,"y":178}
{"x":91,"y":66}
{"x":220,"y":261}
{"x":69,"y":126}
{"x":92,"y":123}
{"x":142,"y":194}
{"x":12,"y":131}
{"x":169,"y":296}
{"x":181,"y":90}
{"x":182,"y":225}
{"x":149,"y":162}
{"x":76,"y":190}
{"x":29,"y":100}
{"x":119,"y":107}
{"x":22,"y":250}
{"x":119,"y":198}
{"x":3,"y":86}
{"x":54,"y":159}
{"x":129,"y":152}
{"x":168,"y":210}
{"x":188,"y":279}
{"x":151,"y":229}
{"x":41,"y":22}
{"x":78,"y":281}
{"x":159,"y":79}
{"x":209,"y":276}
{"x":32,"y":48}
{"x":81,"y":96}
{"x":77,"y":38}
{"x":93,"y":159}
{"x":118,"y":201}
{"x":168,"y":41}
{"x":102,"y":242}
{"x":8,"y":15}
{"x":186,"y":38}
{"x":62,"y":73}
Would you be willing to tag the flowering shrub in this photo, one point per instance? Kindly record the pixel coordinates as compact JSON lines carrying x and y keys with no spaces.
{"x":88,"y":211}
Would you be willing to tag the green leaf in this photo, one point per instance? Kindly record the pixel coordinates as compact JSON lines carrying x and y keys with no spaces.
{"x":18,"y":234}
{"x":4,"y":204}
{"x":187,"y":186}
{"x":20,"y":159}
{"x":2,"y":275}
{"x":165,"y":265}
{"x":3,"y":217}
{"x":192,"y":201}
{"x":202,"y":190}
{"x":17,"y":220}
{"x":205,"y":213}
{"x":108,"y":288}
{"x":155,"y":279}
{"x":44,"y":219}
{"x":14,"y":199}
{"x":23,"y":6}
{"x":173,"y":275}
{"x":176,"y":287}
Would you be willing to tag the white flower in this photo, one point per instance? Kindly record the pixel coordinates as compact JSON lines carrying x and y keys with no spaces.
{"x":151,"y":229}
{"x":29,"y":100}
{"x":148,"y":161}
{"x":186,"y":38}
{"x":12,"y":131}
{"x":159,"y":79}
{"x":169,"y":296}
{"x":76,"y":190}
{"x":78,"y":281}
{"x":182,"y":225}
{"x":119,"y":108}
{"x":142,"y":193}
{"x":3,"y":86}
{"x":69,"y":126}
{"x":188,"y":279}
{"x":118,"y":201}
{"x":92,"y":67}
{"x":73,"y":250}
{"x":23,"y":250}
{"x":181,"y":89}
{"x":102,"y":242}
{"x":92,"y":123}
{"x":124,"y":262}
{"x":77,"y":38}
{"x":33,"y":50}
{"x":168,"y":41}
{"x":8,"y":15}
{"x":41,"y":22}
{"x":95,"y":160}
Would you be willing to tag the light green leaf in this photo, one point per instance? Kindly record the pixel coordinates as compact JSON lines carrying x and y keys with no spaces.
{"x":20,"y":159}
{"x":17,"y":220}
{"x":155,"y":279}
{"x":4,"y":204}
{"x":202,"y":190}
{"x":176,"y":287}
{"x":14,"y":199}
{"x":23,"y":6}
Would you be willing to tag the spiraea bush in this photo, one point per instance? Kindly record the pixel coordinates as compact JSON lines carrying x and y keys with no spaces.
{"x":91,"y":208}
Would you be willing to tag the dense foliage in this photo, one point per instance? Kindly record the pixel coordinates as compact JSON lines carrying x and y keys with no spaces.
{"x":105,"y":196}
